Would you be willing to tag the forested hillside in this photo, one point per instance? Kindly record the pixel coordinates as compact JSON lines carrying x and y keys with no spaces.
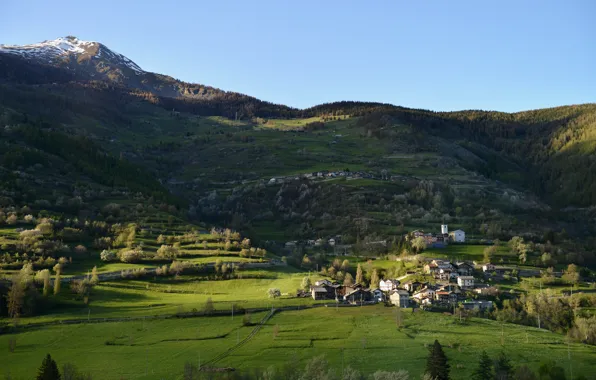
{"x":230,"y":159}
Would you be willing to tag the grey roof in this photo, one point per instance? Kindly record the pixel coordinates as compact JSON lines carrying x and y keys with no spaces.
{"x":318,"y":289}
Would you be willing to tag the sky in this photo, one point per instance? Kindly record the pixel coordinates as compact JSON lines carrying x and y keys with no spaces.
{"x":444,"y":55}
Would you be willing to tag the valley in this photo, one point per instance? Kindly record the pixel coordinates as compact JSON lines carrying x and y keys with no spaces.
{"x":152,"y":228}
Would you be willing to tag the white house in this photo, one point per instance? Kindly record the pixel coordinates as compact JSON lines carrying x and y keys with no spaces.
{"x":458,"y":236}
{"x":331,"y":242}
{"x":465,"y":281}
{"x":488,"y":267}
{"x":400,"y":298}
{"x":425,"y":293}
{"x":388,"y":285}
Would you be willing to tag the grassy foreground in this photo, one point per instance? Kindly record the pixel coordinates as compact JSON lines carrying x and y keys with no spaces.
{"x":367,"y":336}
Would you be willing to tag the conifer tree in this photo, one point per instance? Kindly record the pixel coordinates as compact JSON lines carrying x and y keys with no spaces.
{"x":503,"y":368}
{"x":485,"y":368}
{"x":48,"y":370}
{"x":436,"y":365}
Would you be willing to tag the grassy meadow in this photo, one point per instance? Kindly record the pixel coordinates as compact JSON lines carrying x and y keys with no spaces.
{"x":366,"y":338}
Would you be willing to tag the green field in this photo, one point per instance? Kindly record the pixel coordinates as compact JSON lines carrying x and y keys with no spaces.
{"x":367,"y":336}
{"x":470,"y":252}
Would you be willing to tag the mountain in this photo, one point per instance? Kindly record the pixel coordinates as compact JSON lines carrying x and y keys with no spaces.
{"x":68,"y":58}
{"x":235,"y":160}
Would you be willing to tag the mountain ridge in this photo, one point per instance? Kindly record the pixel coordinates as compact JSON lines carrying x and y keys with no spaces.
{"x":216,"y":149}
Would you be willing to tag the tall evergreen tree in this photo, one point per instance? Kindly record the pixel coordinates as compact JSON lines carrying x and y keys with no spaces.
{"x":48,"y":370}
{"x":485,"y":368}
{"x":437,"y":366}
{"x":503,"y":368}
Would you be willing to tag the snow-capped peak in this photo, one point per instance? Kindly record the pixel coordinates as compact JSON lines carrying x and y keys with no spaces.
{"x":53,"y":50}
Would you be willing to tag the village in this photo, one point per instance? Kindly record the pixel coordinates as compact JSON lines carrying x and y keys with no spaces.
{"x":454,"y":285}
{"x":446,"y":285}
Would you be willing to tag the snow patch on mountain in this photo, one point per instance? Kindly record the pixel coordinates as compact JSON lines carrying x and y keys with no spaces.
{"x":49,"y":51}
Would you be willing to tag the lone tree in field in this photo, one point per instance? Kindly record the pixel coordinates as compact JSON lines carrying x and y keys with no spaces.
{"x":57,"y":279}
{"x":306,"y":284}
{"x":15,"y":297}
{"x":48,"y":370}
{"x":359,"y":275}
{"x":209,"y":308}
{"x":436,"y":365}
{"x":94,"y":276}
{"x":274,"y":293}
{"x":485,"y":368}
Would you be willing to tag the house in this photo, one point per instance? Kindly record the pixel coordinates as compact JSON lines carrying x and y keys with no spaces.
{"x":417,"y":233}
{"x":412,"y":286}
{"x":318,"y":293}
{"x":477,"y":305}
{"x":351,"y":288}
{"x":388,"y":285}
{"x":323,"y":283}
{"x":428,"y":292}
{"x":319,"y":242}
{"x":465,"y":281}
{"x":488,"y":267}
{"x":458,"y":236}
{"x":331,"y":242}
{"x":400,"y":298}
{"x":446,"y":297}
{"x":358,"y":296}
{"x":486,"y":290}
{"x":464,"y":268}
{"x":378,"y":295}
{"x":431,"y":268}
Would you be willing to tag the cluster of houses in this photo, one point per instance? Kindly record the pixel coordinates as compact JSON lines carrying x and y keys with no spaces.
{"x":439,"y":240}
{"x":326,"y":174}
{"x":452,"y":286}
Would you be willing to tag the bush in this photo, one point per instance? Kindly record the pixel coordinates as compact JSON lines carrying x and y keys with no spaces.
{"x":106,"y":255}
{"x":131,"y":255}
{"x":80,"y":249}
{"x":167,"y":252}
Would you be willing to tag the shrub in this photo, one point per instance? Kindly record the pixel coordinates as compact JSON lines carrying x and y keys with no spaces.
{"x":131,"y":255}
{"x":80,"y":249}
{"x":106,"y":255}
{"x":167,"y":252}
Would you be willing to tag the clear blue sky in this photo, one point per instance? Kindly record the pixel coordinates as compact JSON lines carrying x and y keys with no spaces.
{"x":505,"y":55}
